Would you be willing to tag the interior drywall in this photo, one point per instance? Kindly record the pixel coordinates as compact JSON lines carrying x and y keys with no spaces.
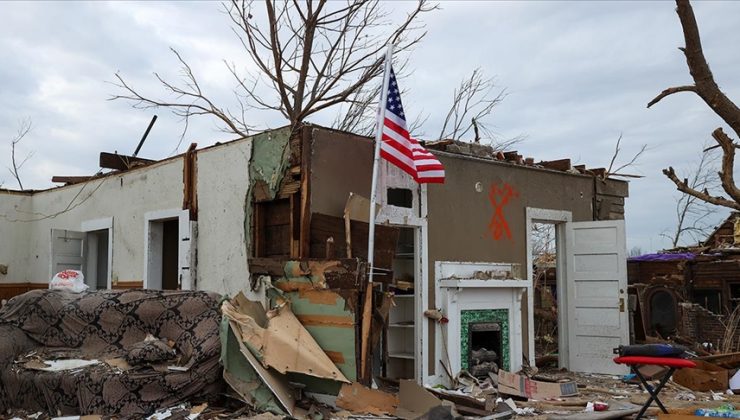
{"x":340,"y":163}
{"x":125,"y":197}
{"x":223,"y":183}
{"x":13,"y":235}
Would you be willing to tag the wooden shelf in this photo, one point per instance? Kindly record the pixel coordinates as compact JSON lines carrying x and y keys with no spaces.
{"x":402,"y":325}
{"x":399,"y":355}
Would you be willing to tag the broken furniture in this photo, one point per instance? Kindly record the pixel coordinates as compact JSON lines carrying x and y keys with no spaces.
{"x":104,"y":326}
{"x":634,"y":362}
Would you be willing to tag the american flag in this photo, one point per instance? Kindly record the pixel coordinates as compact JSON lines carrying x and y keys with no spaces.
{"x":399,"y":148}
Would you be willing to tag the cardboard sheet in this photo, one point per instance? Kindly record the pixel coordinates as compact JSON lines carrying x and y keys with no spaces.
{"x":283,"y":344}
{"x":519,"y":385}
{"x":414,"y":400}
{"x":357,"y":399}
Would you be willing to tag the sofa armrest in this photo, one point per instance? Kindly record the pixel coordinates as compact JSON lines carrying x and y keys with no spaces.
{"x":14,"y":342}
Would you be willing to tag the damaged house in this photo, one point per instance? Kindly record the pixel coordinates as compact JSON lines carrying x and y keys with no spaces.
{"x":688,"y":293}
{"x":285,"y":213}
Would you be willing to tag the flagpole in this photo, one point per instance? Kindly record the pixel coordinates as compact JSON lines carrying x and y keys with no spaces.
{"x":367,"y":307}
{"x":378,"y":141}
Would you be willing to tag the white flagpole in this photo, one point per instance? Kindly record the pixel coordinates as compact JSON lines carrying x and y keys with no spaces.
{"x":378,"y":140}
{"x":367,"y":305}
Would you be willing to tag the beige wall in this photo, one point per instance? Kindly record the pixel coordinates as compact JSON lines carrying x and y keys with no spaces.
{"x":26,"y":221}
{"x":223,"y":181}
{"x":13,"y":234}
{"x":125,"y":198}
{"x":459,"y":215}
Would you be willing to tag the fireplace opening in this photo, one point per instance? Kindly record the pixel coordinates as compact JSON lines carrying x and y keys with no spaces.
{"x":484,"y":352}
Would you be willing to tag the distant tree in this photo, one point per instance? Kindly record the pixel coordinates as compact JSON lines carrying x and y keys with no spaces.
{"x":635,"y":251}
{"x":694,"y":216}
{"x":309,"y":55}
{"x":24,"y":127}
{"x":707,"y":89}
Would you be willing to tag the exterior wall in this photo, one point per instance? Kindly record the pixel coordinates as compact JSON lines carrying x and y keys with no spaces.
{"x":223,"y":183}
{"x":125,"y":198}
{"x":479,"y":215}
{"x":26,"y":220}
{"x":13,"y":235}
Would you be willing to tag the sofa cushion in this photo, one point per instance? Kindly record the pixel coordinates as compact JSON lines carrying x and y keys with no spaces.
{"x":108,"y":324}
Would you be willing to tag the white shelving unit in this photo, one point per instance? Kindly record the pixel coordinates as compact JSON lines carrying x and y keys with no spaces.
{"x":401,"y":326}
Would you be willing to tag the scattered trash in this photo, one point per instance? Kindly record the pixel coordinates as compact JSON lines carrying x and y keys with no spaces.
{"x":69,"y":280}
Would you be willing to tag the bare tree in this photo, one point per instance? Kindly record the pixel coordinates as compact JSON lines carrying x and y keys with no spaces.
{"x":615,"y":169}
{"x":693,"y":216}
{"x":473,"y":102}
{"x":708,"y":90}
{"x":23,"y":129}
{"x":310,"y":56}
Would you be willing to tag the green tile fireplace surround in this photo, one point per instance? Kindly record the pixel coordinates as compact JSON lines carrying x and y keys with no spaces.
{"x":501,"y":316}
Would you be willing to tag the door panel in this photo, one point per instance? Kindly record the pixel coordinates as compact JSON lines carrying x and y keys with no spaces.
{"x":596,"y":293}
{"x":66,"y":250}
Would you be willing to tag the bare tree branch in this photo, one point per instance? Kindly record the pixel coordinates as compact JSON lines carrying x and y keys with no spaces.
{"x":683,"y":186}
{"x":611,"y":171}
{"x":309,"y":56}
{"x":708,"y":90}
{"x":692,"y":214}
{"x":23,"y":129}
{"x":671,"y":91}
{"x":472,"y":101}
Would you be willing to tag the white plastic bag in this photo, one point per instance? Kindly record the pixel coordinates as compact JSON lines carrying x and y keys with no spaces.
{"x":69,"y":280}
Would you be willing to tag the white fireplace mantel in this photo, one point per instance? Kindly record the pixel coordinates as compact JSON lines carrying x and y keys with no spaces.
{"x":456,"y":293}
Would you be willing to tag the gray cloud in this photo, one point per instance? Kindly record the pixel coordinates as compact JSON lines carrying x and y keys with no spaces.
{"x":578,"y":75}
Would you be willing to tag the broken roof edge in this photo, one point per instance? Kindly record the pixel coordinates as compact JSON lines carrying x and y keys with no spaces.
{"x":466,"y":156}
{"x":516,"y":165}
{"x":96,"y":177}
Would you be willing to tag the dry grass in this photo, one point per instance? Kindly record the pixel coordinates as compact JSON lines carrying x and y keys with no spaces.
{"x":731,"y":339}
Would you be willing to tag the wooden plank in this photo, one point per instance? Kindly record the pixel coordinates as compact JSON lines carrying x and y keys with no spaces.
{"x":122,"y":162}
{"x":367,"y":307}
{"x":348,"y":274}
{"x":128,"y":284}
{"x":305,"y":221}
{"x":324,"y":227}
{"x":68,"y":180}
{"x":277,"y":212}
{"x":295,"y":226}
{"x":190,"y":183}
{"x":557,"y":165}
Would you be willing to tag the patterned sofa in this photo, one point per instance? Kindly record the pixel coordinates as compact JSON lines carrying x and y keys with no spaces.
{"x":105,"y":325}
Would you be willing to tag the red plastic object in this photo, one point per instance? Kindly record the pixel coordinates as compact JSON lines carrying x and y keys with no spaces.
{"x":661,"y":361}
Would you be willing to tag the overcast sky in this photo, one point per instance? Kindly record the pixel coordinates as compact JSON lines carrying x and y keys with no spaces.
{"x":578,"y":74}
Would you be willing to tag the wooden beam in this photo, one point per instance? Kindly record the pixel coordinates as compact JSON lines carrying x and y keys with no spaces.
{"x":557,"y":165}
{"x":68,"y":180}
{"x":305,"y":222}
{"x":121,"y":162}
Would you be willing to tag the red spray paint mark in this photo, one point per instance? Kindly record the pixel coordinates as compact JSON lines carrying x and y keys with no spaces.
{"x":500,"y":197}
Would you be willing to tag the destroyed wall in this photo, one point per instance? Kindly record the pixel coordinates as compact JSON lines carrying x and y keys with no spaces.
{"x":220,"y":183}
{"x":701,"y":325}
{"x":222,"y":187}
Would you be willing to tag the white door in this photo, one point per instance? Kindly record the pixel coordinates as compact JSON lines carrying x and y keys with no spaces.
{"x":67,"y":251}
{"x":596,"y":283}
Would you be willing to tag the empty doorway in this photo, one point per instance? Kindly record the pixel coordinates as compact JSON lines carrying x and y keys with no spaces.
{"x":167,"y":250}
{"x":162,"y":254}
{"x":545,"y":279}
{"x":97,"y":256}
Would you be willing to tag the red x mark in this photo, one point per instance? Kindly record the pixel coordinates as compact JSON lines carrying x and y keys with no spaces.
{"x":500,"y":197}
